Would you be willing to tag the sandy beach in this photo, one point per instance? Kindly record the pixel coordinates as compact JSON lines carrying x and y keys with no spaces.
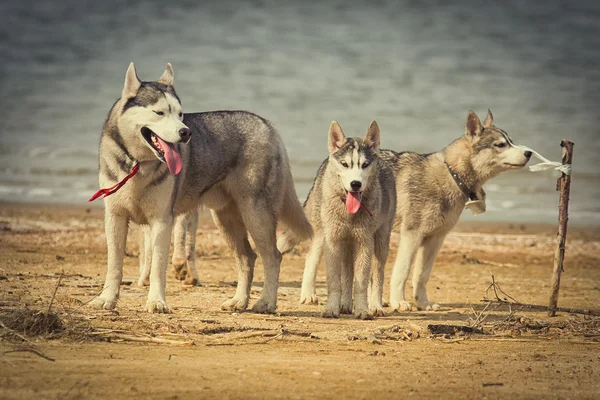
{"x":199,"y":351}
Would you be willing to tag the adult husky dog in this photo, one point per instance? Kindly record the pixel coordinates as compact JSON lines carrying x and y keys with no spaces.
{"x":351,"y":206}
{"x":233,"y":162}
{"x":432,"y":191}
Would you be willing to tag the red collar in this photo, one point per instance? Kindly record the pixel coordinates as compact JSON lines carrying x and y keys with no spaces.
{"x":108,"y":191}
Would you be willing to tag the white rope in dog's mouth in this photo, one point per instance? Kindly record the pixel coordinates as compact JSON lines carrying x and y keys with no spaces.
{"x":545,"y":164}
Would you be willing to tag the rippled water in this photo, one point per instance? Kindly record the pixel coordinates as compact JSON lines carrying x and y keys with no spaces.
{"x":415,"y":66}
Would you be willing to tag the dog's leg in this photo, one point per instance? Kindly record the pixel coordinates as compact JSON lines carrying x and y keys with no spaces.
{"x":382,"y":249}
{"x":179,"y":238}
{"x":347,"y":277}
{"x":116,"y":239}
{"x":410,"y":242}
{"x":261,"y":223}
{"x":362,"y":276}
{"x":161,"y":239}
{"x":190,"y":250}
{"x":229,"y":221}
{"x":423,"y":266}
{"x":145,"y":256}
{"x":333,"y":259}
{"x":308,"y":294}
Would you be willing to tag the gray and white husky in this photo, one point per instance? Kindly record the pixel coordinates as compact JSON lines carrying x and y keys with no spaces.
{"x":432,"y":192}
{"x":232,"y":162}
{"x":351,"y":206}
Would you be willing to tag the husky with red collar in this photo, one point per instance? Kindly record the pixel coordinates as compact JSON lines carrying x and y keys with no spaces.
{"x":158,"y":163}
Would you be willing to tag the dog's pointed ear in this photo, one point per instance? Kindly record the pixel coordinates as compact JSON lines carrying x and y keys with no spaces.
{"x":372,"y":137}
{"x":132,"y":83}
{"x":473,"y":126}
{"x":489,"y":120}
{"x":336,"y":137}
{"x":167,"y":77}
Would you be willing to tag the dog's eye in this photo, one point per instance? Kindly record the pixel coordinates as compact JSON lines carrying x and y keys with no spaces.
{"x":500,"y":145}
{"x":344,"y":164}
{"x":180,"y":114}
{"x":365,"y":164}
{"x":159,"y":113}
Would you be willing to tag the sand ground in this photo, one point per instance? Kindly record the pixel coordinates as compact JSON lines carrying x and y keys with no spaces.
{"x":294,"y":353}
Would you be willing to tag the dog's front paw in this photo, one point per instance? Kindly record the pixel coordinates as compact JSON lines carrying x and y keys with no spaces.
{"x":264,"y":306}
{"x":404,"y":306}
{"x":428,"y":306}
{"x":346,"y":309}
{"x":364,"y":315}
{"x":157,"y":307}
{"x":102,"y":303}
{"x":309,"y":299}
{"x":191,"y":281}
{"x":329,"y":313}
{"x":377,"y":312}
{"x":235,"y":304}
{"x":179,"y":269}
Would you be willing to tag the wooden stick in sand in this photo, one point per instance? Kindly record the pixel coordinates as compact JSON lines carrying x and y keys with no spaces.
{"x":563,"y":185}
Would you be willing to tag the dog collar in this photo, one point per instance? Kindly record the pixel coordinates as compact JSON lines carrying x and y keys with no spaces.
{"x":108,"y":191}
{"x":461,"y":185}
{"x":343,"y":199}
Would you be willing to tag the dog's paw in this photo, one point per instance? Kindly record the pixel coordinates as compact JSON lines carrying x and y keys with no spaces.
{"x":157,"y":307}
{"x":428,"y":307}
{"x":346,"y":309}
{"x":191,"y":281}
{"x":142,"y":282}
{"x":179,"y":269}
{"x":263,"y":306}
{"x":329,"y":313}
{"x":311,"y":299}
{"x":103,"y":304}
{"x":364,"y":315}
{"x":403,"y":306}
{"x":377,"y":312}
{"x":235,"y":304}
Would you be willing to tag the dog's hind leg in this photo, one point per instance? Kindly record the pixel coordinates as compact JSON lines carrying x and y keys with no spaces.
{"x":308,"y":294}
{"x":423,"y":266}
{"x":190,"y":250}
{"x":229,"y":221}
{"x":347,"y":274}
{"x":161,"y":239}
{"x":333,"y":260}
{"x":179,"y":239}
{"x":145,"y":255}
{"x":116,"y":240}
{"x":382,"y":249}
{"x":261,"y":223}
{"x":410,"y":242}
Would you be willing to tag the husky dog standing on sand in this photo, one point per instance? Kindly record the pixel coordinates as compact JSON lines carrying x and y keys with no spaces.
{"x":164,"y":164}
{"x":351,"y":206}
{"x":432,"y":192}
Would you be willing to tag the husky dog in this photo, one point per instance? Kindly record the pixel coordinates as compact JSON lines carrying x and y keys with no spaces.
{"x":351,"y":206}
{"x":233,"y":162}
{"x":432,"y":192}
{"x":184,"y":254}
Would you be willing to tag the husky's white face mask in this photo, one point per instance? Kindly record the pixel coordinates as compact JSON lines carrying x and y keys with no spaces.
{"x":352,"y":159}
{"x":153,"y":110}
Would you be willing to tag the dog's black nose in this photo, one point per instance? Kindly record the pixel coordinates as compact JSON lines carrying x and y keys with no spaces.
{"x":185,"y":134}
{"x":355,"y":185}
{"x":528,"y":154}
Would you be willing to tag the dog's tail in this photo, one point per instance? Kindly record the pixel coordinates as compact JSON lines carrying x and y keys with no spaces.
{"x":293,"y":217}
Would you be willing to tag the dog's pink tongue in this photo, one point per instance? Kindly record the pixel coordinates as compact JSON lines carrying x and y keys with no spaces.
{"x":172,"y":157}
{"x":353,"y":202}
